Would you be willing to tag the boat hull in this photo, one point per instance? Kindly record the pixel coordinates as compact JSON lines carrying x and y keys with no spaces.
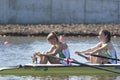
{"x":58,"y":69}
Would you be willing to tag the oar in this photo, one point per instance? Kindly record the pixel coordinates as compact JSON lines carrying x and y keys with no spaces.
{"x":103,"y":57}
{"x":75,"y":61}
{"x":87,"y":58}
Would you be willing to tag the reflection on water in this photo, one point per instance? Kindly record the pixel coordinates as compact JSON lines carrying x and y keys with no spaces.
{"x":12,"y":77}
{"x":20,"y":49}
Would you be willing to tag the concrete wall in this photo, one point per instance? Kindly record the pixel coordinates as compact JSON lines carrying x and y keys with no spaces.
{"x":59,"y":11}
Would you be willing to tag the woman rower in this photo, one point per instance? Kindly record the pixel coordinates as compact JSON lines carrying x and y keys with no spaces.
{"x":103,"y":48}
{"x":57,"y":47}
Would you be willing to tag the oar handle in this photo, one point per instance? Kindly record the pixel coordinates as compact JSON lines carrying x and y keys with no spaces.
{"x":82,"y":56}
{"x":64,"y":59}
{"x":86,"y":57}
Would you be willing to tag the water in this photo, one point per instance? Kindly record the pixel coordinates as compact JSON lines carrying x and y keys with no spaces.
{"x":12,"y":77}
{"x":20,"y":49}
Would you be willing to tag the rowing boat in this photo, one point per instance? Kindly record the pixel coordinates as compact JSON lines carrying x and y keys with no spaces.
{"x":74,"y":68}
{"x":60,"y":69}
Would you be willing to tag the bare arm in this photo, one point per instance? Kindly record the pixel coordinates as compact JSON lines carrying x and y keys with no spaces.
{"x":93,"y":48}
{"x":59,"y":49}
{"x":99,"y":49}
{"x":90,"y":49}
{"x":51,"y":49}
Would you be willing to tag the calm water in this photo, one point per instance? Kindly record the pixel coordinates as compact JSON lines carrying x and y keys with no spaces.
{"x":20,"y":49}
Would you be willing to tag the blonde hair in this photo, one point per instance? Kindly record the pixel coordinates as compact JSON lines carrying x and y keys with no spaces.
{"x":52,"y":35}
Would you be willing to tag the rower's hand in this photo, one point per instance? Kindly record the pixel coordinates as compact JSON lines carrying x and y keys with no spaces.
{"x":77,"y":52}
{"x":44,"y":52}
{"x":88,"y":53}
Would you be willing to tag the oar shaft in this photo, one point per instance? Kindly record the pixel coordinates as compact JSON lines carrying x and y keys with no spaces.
{"x":74,"y":61}
{"x":52,"y":56}
{"x":104,"y":57}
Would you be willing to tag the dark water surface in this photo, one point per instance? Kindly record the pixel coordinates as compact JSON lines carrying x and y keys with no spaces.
{"x":20,"y":49}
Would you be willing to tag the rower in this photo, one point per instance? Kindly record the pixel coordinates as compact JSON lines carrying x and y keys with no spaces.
{"x":57,"y":48}
{"x":103,"y":48}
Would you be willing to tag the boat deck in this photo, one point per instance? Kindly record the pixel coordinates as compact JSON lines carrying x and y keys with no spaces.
{"x":75,"y":65}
